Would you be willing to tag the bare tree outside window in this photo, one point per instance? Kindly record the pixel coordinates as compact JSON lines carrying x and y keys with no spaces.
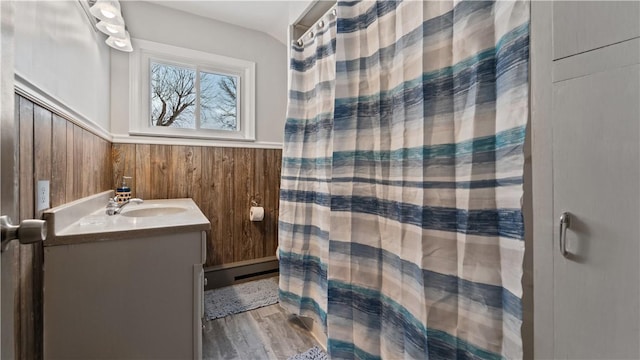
{"x":218,"y":104}
{"x":173,"y":98}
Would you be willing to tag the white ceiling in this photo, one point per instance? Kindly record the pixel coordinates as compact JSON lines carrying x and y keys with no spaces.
{"x":267,"y":16}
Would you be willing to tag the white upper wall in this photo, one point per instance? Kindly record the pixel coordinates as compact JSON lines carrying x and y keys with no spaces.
{"x":160,"y":24}
{"x":58,"y":51}
{"x":268,"y":16}
{"x":298,"y":8}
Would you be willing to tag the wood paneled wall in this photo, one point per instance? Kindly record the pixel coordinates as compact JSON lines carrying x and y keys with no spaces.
{"x":221,"y":181}
{"x":77,"y":163}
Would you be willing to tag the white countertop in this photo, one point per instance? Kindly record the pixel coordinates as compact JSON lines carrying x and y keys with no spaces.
{"x":85,"y":220}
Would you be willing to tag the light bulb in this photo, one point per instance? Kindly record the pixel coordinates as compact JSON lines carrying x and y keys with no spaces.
{"x":122,"y":44}
{"x":108,"y":14}
{"x":117,"y":31}
{"x":107,"y":10}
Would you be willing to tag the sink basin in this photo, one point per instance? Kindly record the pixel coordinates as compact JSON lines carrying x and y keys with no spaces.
{"x":153,"y":211}
{"x":85,"y":220}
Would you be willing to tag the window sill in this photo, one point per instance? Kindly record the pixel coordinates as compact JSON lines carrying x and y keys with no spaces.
{"x":155,"y":139}
{"x":193,"y":134}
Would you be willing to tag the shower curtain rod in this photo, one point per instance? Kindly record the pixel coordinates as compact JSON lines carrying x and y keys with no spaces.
{"x":333,"y":10}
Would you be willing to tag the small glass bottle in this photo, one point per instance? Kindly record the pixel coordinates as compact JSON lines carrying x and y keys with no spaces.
{"x":123,"y":193}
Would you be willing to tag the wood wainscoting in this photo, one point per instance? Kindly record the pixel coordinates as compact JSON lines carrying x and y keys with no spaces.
{"x":222,"y":181}
{"x":77,"y":163}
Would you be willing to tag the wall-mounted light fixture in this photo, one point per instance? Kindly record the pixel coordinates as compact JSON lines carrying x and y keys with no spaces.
{"x":112,"y":24}
{"x":111,"y":30}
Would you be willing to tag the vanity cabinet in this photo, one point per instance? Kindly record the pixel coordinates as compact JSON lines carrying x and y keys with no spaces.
{"x":134,"y":294}
{"x":123,"y":299}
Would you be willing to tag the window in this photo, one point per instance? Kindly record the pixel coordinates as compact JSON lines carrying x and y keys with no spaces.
{"x":188,"y":93}
{"x":190,"y":98}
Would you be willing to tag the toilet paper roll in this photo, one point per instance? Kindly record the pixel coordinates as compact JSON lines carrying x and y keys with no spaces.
{"x":256,"y":213}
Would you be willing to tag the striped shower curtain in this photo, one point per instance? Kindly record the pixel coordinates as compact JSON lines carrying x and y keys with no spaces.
{"x":304,"y":221}
{"x":401,"y":226}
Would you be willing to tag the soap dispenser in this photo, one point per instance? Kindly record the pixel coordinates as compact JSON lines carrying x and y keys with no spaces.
{"x":123,"y":193}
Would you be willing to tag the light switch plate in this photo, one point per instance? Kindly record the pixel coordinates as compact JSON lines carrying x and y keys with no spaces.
{"x":42,"y":195}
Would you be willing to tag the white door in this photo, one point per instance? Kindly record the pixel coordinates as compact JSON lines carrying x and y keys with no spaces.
{"x":8,"y":267}
{"x":596,"y":178}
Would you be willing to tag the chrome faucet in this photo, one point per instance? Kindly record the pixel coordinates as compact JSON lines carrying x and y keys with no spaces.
{"x":113,"y":208}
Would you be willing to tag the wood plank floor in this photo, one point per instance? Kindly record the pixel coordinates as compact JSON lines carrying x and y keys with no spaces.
{"x":264,"y":333}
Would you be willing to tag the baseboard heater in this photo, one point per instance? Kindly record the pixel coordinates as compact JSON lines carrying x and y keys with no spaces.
{"x":238,"y":272}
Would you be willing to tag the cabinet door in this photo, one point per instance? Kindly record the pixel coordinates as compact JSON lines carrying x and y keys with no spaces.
{"x":580,"y":26}
{"x":198,"y":309}
{"x":596,"y":177}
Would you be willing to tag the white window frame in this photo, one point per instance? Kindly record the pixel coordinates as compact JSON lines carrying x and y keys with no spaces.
{"x":140,"y":93}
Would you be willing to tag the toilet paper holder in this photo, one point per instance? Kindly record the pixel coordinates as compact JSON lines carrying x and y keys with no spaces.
{"x":256,"y":213}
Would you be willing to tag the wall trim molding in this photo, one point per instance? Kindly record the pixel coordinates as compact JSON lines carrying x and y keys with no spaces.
{"x":29,"y":90}
{"x":541,"y":100}
{"x":138,"y":139}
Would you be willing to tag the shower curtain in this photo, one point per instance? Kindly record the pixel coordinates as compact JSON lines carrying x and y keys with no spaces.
{"x":304,"y":221}
{"x":401,"y":228}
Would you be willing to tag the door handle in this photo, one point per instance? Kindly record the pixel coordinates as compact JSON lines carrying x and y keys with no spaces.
{"x":565,"y":223}
{"x":28,"y":232}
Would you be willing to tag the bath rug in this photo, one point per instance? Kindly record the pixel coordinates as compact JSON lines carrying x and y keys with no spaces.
{"x":239,"y":298}
{"x":315,"y":353}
